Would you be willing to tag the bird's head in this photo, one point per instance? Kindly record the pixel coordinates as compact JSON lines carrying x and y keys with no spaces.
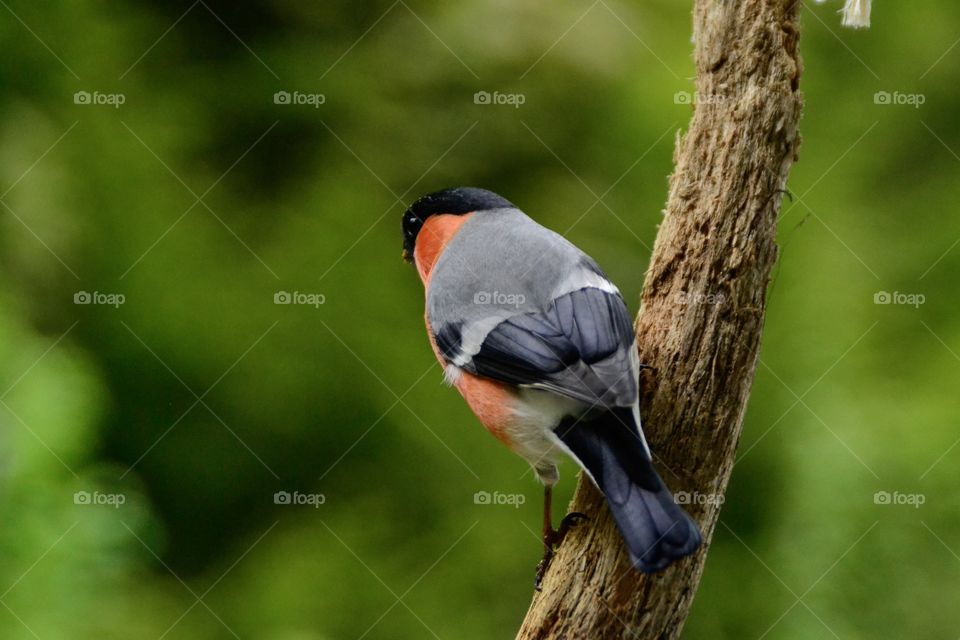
{"x":457,"y":201}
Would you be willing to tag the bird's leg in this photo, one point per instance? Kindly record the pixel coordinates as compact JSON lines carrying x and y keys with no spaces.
{"x":548,"y":533}
{"x":548,"y":536}
{"x":553,"y":537}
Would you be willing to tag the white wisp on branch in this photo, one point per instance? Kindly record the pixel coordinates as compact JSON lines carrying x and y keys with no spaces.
{"x":856,"y":13}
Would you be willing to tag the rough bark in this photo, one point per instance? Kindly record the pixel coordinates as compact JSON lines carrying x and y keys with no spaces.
{"x":702,"y":313}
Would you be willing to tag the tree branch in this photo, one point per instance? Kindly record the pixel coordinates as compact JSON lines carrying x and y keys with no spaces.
{"x":702,"y":313}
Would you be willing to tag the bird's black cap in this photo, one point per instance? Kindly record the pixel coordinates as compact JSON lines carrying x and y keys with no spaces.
{"x":456,"y":201}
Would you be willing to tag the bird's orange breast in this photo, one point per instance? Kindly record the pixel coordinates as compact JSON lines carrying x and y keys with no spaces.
{"x":491,"y":401}
{"x":435,"y":234}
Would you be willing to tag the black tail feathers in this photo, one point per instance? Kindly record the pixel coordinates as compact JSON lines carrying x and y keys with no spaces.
{"x":656,"y":531}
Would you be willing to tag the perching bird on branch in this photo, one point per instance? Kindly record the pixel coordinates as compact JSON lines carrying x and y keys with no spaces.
{"x":539,"y":343}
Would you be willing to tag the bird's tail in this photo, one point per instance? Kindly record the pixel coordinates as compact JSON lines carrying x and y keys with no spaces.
{"x":611,"y":449}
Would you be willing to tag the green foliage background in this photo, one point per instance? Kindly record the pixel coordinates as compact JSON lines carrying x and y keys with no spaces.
{"x":199,"y":398}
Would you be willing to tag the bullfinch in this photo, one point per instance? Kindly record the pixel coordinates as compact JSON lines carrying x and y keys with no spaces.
{"x":539,"y":343}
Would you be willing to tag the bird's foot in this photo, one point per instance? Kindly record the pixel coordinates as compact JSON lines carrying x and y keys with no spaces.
{"x":552,"y":538}
{"x":572,"y":519}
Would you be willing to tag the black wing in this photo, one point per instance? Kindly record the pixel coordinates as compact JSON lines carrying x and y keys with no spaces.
{"x":580,"y":346}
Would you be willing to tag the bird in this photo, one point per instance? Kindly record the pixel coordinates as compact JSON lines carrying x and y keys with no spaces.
{"x":539,"y":343}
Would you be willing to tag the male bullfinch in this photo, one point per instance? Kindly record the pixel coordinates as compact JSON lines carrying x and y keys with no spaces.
{"x":539,"y":343}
